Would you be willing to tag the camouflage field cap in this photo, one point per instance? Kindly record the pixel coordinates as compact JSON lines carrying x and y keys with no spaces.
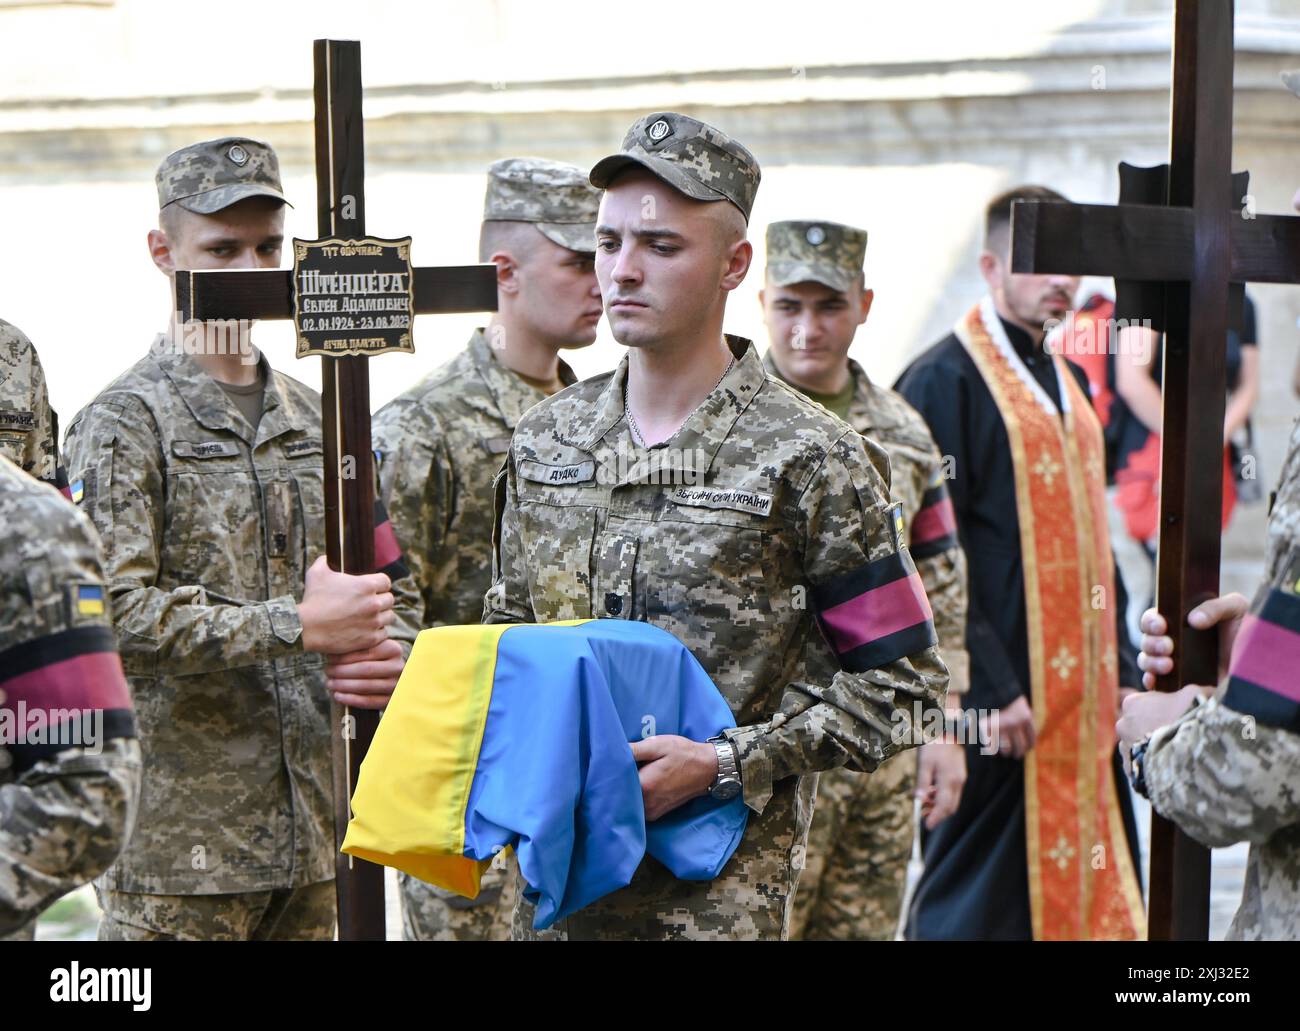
{"x":697,"y":159}
{"x":823,"y":252}
{"x":555,"y":197}
{"x":207,"y":177}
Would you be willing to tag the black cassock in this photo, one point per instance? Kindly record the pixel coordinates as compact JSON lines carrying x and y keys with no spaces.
{"x":975,"y":884}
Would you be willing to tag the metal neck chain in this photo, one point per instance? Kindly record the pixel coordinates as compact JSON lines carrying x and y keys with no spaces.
{"x":637,"y":438}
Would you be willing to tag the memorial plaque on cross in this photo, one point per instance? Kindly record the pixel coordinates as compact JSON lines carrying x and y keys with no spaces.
{"x":351,"y":297}
{"x":1180,"y":245}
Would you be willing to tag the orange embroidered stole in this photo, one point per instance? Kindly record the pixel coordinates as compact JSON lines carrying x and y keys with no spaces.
{"x":1082,"y":884}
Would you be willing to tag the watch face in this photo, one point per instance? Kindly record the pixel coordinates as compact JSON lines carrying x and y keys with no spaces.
{"x":726,"y":791}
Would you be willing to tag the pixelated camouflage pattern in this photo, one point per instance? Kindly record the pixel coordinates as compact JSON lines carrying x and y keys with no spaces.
{"x":820,"y":252}
{"x":558,"y":198}
{"x":732,"y":584}
{"x":209,"y":176}
{"x":435,"y":914}
{"x":689,"y":155}
{"x":855,"y":864}
{"x":286,"y":914}
{"x":915,"y":463}
{"x":1224,"y":777}
{"x":208,"y":529}
{"x":440,"y":446}
{"x":28,"y":427}
{"x":63,"y":820}
{"x":861,"y":839}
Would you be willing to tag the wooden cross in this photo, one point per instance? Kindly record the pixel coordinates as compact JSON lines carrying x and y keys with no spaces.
{"x":345,"y":406}
{"x":1183,"y":248}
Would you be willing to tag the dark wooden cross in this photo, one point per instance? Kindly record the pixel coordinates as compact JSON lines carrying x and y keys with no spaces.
{"x":1180,"y":245}
{"x":345,"y":406}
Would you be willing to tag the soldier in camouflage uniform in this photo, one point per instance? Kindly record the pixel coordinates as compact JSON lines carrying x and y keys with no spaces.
{"x":29,"y":428}
{"x":67,"y":800}
{"x":1225,"y":765}
{"x":691,"y":490}
{"x":207,"y":490}
{"x":443,"y":441}
{"x":861,"y":838}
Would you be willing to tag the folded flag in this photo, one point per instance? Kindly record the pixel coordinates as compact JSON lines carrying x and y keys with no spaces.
{"x":516,"y":736}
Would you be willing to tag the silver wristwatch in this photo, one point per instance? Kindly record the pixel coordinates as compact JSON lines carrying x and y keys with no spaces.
{"x":726,"y":785}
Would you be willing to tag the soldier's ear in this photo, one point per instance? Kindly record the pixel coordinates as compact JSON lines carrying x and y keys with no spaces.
{"x":739,"y":257}
{"x":507,"y":272}
{"x":160,"y":250}
{"x":867,"y":297}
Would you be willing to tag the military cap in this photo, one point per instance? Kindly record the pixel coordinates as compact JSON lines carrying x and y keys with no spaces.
{"x":824,"y":252}
{"x":697,"y":159}
{"x":207,"y":177}
{"x":555,"y":197}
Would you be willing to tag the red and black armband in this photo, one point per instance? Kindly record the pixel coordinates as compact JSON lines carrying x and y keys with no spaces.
{"x":876,"y":614}
{"x":388,"y":553}
{"x":934,"y":529}
{"x":1262,"y":680}
{"x":63,"y":691}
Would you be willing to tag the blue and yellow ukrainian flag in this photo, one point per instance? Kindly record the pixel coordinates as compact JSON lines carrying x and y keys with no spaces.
{"x":517,"y":737}
{"x":90,"y":600}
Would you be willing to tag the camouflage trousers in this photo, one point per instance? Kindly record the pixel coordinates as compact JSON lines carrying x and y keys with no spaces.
{"x":287,"y":914}
{"x":855,"y":869}
{"x":435,"y":914}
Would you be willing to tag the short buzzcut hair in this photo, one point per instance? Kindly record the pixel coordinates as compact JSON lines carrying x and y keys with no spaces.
{"x":997,"y":214}
{"x":520,"y":238}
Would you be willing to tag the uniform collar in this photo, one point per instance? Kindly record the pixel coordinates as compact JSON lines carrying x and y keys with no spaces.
{"x":211,"y":407}
{"x":707,"y":427}
{"x":866,"y":410}
{"x":511,"y":395}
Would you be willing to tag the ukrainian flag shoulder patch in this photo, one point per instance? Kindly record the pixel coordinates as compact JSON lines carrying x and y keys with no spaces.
{"x":86,"y":601}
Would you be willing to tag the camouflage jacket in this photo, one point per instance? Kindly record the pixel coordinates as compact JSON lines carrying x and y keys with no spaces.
{"x":1229,"y":770}
{"x":29,"y":430}
{"x":208,"y":529}
{"x":917,"y":481}
{"x":440,"y":446}
{"x":764,"y":538}
{"x":68,"y":784}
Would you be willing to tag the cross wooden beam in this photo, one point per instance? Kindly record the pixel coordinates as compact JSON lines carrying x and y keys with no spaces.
{"x":1180,"y":254}
{"x":345,"y":402}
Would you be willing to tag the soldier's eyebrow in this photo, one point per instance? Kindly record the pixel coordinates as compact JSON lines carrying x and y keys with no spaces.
{"x":642,"y":233}
{"x":657,"y":234}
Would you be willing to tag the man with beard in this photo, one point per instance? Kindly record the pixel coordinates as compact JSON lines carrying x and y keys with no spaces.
{"x":1042,"y":844}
